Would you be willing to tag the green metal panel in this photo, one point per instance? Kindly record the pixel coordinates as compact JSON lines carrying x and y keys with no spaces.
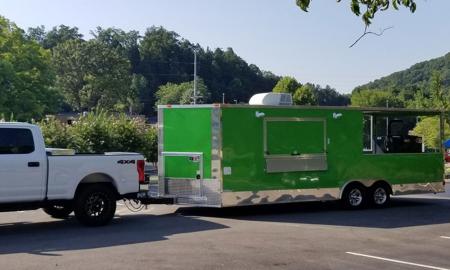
{"x":186,"y":130}
{"x":299,"y":137}
{"x":180,"y":167}
{"x":243,"y":152}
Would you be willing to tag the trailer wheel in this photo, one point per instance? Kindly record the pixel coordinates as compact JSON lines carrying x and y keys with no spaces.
{"x":380,"y":195}
{"x":354,"y":196}
{"x":61,"y":211}
{"x":95,"y":205}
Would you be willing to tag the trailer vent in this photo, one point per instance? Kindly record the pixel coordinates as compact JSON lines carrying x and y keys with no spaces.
{"x":274,"y":99}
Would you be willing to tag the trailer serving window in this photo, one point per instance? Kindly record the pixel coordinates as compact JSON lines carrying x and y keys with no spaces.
{"x":294,"y":144}
{"x":391,"y":132}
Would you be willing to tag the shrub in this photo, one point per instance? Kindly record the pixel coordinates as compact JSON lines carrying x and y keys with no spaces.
{"x":99,"y":132}
{"x":56,"y":134}
{"x":151,"y":144}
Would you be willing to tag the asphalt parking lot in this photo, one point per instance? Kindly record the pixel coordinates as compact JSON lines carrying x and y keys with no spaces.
{"x":412,"y":234}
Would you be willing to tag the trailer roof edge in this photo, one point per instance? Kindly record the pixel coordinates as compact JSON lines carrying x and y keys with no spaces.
{"x":364,"y":109}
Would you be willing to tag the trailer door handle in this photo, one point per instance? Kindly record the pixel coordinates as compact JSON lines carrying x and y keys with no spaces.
{"x":33,"y":164}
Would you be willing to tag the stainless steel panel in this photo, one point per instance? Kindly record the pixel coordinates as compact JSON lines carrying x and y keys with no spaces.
{"x":216,"y":144}
{"x":278,"y":196}
{"x":195,"y":192}
{"x":310,"y":162}
{"x":418,"y":188}
{"x":161,"y":183}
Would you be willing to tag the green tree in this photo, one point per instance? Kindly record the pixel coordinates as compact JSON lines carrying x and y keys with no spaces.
{"x":439,"y":98}
{"x":304,"y":95}
{"x":156,"y":58}
{"x":375,"y":98}
{"x":59,"y":35}
{"x":182,"y":93}
{"x":50,"y":39}
{"x":37,"y":34}
{"x":91,"y":74}
{"x":428,"y":128}
{"x":330,"y":97}
{"x":368,"y":8}
{"x":440,"y":95}
{"x":167,"y":57}
{"x":26,"y":75}
{"x":286,"y":85}
{"x":127,"y":43}
{"x":420,"y":100}
{"x":137,"y":88}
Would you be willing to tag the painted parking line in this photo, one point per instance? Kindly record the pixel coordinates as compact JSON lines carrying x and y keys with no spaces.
{"x":445,"y":237}
{"x":397,"y":261}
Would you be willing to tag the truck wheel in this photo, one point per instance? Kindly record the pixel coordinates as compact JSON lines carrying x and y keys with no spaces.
{"x":379,"y":195}
{"x":61,"y":211}
{"x":354,"y":196}
{"x":95,"y":205}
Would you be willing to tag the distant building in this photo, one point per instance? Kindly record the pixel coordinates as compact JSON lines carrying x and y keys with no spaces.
{"x":66,"y":118}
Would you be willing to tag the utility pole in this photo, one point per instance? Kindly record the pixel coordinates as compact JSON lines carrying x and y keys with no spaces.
{"x":195,"y":76}
{"x":387,"y":119}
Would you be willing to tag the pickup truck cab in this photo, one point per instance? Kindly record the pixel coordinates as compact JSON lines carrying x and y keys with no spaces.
{"x":60,"y":181}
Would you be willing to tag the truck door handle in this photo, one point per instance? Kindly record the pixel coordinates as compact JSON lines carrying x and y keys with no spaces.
{"x":33,"y":164}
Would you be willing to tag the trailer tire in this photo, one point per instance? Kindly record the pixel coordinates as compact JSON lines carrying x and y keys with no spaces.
{"x":379,"y":195}
{"x":354,"y":196}
{"x":95,"y":205}
{"x":60,"y":211}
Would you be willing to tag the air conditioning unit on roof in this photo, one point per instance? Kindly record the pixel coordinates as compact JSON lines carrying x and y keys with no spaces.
{"x":274,"y":99}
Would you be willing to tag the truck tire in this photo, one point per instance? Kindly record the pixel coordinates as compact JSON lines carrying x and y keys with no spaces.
{"x":61,"y":211}
{"x":354,"y":196}
{"x":95,"y":205}
{"x":379,"y":195}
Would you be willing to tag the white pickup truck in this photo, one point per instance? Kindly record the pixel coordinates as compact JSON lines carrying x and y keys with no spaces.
{"x":59,"y":181}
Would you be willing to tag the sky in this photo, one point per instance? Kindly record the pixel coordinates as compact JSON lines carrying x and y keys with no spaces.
{"x":272,"y":34}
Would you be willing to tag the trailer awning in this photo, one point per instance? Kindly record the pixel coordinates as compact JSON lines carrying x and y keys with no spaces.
{"x":401,"y":112}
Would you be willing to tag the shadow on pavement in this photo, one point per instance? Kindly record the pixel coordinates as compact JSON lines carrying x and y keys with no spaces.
{"x":48,"y":238}
{"x":403,"y":212}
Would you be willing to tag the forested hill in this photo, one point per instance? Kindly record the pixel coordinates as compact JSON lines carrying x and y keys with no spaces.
{"x":414,"y":78}
{"x":45,"y":71}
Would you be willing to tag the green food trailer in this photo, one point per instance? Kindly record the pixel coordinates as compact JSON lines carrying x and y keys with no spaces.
{"x":222,"y":155}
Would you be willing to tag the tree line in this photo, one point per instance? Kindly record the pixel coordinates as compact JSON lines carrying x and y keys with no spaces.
{"x":59,"y":70}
